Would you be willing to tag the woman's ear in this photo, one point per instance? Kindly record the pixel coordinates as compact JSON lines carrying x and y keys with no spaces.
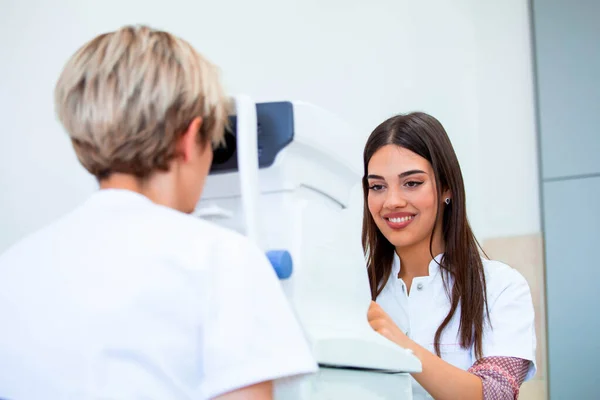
{"x":447,"y":196}
{"x":187,"y":143}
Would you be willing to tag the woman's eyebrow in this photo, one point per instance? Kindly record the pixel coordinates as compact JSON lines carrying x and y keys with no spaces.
{"x":411,"y":172}
{"x":402,"y":175}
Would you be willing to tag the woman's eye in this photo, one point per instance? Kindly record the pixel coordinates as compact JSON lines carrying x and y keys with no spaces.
{"x":413,"y":184}
{"x":376,"y":187}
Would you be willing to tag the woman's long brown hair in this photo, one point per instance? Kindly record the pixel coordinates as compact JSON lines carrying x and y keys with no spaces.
{"x":424,"y":135}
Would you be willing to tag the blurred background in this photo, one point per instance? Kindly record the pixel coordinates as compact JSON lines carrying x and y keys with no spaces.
{"x":515,"y":83}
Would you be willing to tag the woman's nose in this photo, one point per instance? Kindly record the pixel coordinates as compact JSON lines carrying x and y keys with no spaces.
{"x":394,"y":199}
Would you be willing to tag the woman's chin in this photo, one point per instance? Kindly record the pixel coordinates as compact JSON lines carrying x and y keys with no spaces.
{"x":400,"y":240}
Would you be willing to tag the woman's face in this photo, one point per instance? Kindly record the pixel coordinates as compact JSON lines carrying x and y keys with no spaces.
{"x":402,"y":196}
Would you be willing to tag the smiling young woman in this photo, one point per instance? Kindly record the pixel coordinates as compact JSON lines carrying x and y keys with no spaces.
{"x":470,"y":320}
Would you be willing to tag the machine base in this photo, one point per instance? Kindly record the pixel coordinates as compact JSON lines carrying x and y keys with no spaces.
{"x":345,"y":384}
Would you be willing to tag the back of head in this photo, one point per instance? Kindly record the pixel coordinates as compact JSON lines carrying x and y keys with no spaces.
{"x":125,"y":96}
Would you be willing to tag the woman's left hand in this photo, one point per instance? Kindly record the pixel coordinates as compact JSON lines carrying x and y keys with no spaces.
{"x":383,"y":324}
{"x":441,"y":379}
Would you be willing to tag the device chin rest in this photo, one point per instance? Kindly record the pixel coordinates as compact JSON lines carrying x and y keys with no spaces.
{"x":282,"y":263}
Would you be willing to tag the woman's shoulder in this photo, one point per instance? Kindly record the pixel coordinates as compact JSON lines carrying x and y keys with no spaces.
{"x":502,"y":279}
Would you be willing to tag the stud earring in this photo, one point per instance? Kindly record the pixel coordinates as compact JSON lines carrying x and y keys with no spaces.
{"x":447,"y":201}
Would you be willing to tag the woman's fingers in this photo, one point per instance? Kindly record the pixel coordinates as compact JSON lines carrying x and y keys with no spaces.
{"x":383,"y":324}
{"x":378,"y":319}
{"x":375,"y":311}
{"x":382,"y":327}
{"x":377,"y":324}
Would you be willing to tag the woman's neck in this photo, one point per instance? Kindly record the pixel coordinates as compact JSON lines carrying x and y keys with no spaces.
{"x":160,"y":188}
{"x":415,"y":260}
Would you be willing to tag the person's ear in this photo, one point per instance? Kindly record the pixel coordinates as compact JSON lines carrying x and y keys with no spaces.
{"x":447,"y":197}
{"x":188,"y":142}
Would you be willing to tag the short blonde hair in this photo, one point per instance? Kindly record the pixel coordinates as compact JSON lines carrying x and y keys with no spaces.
{"x":125,"y":96}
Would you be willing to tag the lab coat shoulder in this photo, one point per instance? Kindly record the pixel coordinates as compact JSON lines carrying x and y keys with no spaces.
{"x":501,"y":277}
{"x":250,"y":331}
{"x":209,"y":287}
{"x":510,"y":331}
{"x":204,"y":245}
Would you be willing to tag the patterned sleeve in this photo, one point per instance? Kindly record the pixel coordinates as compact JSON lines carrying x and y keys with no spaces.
{"x":501,"y":376}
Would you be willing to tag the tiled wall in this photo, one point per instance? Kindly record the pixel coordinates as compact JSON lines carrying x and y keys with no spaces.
{"x":525,"y":254}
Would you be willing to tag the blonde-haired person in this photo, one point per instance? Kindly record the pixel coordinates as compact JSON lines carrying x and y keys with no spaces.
{"x":128,"y":296}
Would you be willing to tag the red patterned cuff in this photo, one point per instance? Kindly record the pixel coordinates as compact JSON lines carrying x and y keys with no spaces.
{"x":501,"y":376}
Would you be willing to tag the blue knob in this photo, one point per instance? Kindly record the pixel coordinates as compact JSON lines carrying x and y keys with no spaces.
{"x":281,"y":260}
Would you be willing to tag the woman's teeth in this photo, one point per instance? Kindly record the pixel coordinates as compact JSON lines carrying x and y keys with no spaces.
{"x":401,"y":220}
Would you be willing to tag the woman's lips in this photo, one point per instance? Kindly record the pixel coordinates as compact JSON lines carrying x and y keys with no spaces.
{"x":399,"y":220}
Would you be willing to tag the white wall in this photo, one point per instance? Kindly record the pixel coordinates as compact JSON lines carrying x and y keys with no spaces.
{"x":466,"y":62}
{"x":508,"y":160}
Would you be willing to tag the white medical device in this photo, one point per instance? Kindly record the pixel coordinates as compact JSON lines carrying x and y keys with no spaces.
{"x":280,"y":182}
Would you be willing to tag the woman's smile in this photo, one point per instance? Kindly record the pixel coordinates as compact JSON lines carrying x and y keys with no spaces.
{"x":399,"y":220}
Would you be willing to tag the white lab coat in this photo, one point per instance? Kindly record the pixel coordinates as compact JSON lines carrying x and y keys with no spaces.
{"x":123,"y":298}
{"x":512,"y":331}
